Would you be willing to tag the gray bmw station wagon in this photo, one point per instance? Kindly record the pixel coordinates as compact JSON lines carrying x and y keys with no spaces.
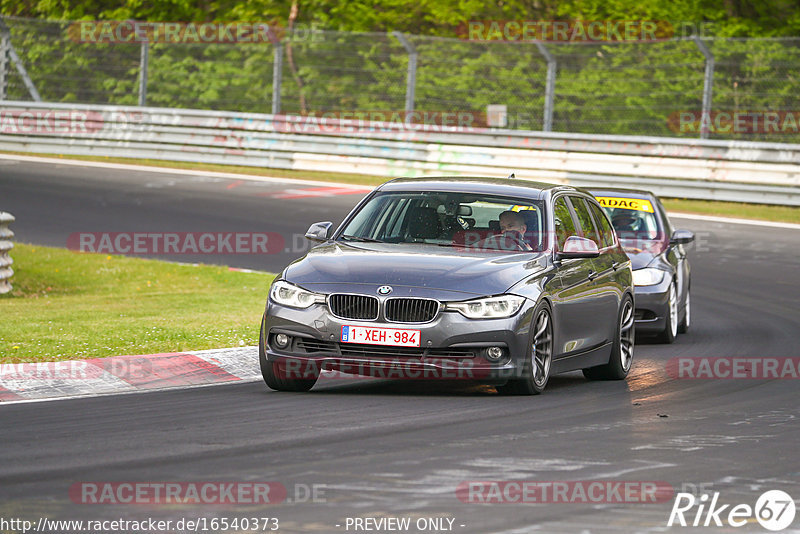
{"x":502,"y":281}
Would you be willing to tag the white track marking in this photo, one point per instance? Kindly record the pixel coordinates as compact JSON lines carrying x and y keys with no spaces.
{"x":182,"y":172}
{"x":730,"y":220}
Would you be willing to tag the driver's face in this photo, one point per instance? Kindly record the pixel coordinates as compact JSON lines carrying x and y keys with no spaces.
{"x":512,"y":224}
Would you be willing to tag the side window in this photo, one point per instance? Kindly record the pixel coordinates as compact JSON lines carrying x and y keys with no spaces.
{"x":667,"y":226}
{"x":585,"y":220}
{"x":607,"y":233}
{"x":565,"y":226}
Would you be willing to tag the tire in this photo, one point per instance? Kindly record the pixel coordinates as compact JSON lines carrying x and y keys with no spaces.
{"x":683,"y":327}
{"x":619,"y":363}
{"x":539,"y":356}
{"x":272,"y":374}
{"x":671,"y":328}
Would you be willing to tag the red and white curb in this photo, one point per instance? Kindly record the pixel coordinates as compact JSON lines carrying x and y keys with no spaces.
{"x":25,"y":382}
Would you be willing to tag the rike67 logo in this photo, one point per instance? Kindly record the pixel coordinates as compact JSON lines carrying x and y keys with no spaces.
{"x":774,"y":510}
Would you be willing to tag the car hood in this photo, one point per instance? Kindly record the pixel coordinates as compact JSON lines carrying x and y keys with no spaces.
{"x":411,"y":270}
{"x":642,"y":254}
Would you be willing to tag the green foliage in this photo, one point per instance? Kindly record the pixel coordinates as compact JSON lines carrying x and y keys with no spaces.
{"x":754,"y":18}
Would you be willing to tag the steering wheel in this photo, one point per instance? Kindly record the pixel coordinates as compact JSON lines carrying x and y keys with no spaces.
{"x":515,"y":238}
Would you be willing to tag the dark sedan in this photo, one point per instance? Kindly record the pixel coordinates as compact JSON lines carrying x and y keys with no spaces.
{"x":502,"y":281}
{"x":661,"y":270}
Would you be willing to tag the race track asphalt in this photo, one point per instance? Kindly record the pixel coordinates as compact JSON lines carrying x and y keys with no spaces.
{"x":383,"y":448}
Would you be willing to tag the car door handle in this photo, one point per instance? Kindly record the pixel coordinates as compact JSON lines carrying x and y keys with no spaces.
{"x":616,"y":265}
{"x":592,"y":275}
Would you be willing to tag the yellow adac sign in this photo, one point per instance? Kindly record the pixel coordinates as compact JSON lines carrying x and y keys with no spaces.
{"x":635,"y":204}
{"x":520,"y":207}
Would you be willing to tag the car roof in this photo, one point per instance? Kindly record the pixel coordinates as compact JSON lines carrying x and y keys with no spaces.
{"x":481,"y":185}
{"x":621,"y":191}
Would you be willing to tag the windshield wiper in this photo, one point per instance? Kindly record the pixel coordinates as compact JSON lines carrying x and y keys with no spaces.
{"x":360,"y":239}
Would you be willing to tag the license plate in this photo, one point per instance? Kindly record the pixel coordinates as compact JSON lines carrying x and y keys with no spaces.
{"x":380,"y":336}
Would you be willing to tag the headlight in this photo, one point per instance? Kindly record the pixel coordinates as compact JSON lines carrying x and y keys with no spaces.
{"x":647,"y":277}
{"x":287,"y":294}
{"x":488,"y":308}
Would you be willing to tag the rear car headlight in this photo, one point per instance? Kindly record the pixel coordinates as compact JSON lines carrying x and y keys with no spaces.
{"x":287,"y":294}
{"x":488,"y":308}
{"x":647,"y":277}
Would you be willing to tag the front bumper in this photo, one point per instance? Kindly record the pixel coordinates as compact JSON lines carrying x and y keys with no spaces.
{"x":451,"y":346}
{"x":652,"y":307}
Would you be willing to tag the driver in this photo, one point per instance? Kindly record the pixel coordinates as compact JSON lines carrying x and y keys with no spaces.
{"x":512,"y":224}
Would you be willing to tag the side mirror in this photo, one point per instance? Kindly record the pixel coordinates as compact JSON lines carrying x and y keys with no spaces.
{"x":578,"y":247}
{"x":319,"y":232}
{"x":681,"y":237}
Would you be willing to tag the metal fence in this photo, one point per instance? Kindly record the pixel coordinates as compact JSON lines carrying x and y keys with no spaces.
{"x":618,"y":88}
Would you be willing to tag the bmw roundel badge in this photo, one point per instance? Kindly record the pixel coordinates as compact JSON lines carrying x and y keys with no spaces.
{"x":384,"y":290}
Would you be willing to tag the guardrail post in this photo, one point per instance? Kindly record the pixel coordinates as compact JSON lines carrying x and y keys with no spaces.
{"x":6,"y":235}
{"x":549,"y":88}
{"x":708,"y":83}
{"x":5,"y":45}
{"x":411,"y":77}
{"x":277,"y":77}
{"x":144,"y":60}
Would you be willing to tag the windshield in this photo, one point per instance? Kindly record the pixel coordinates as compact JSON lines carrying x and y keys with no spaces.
{"x":464,"y":220}
{"x":633,"y":219}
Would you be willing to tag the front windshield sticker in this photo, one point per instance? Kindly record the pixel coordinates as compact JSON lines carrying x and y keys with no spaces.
{"x":626,"y":203}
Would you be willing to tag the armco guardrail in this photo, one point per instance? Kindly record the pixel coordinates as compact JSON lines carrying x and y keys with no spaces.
{"x":715,"y":170}
{"x":6,"y":235}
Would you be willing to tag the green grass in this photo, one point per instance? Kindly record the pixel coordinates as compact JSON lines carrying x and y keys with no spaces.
{"x":734,"y":209}
{"x":68,"y":305}
{"x":703,"y":207}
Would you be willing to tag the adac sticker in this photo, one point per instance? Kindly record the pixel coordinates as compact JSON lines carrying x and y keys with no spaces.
{"x":522,"y":207}
{"x":635,"y":204}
